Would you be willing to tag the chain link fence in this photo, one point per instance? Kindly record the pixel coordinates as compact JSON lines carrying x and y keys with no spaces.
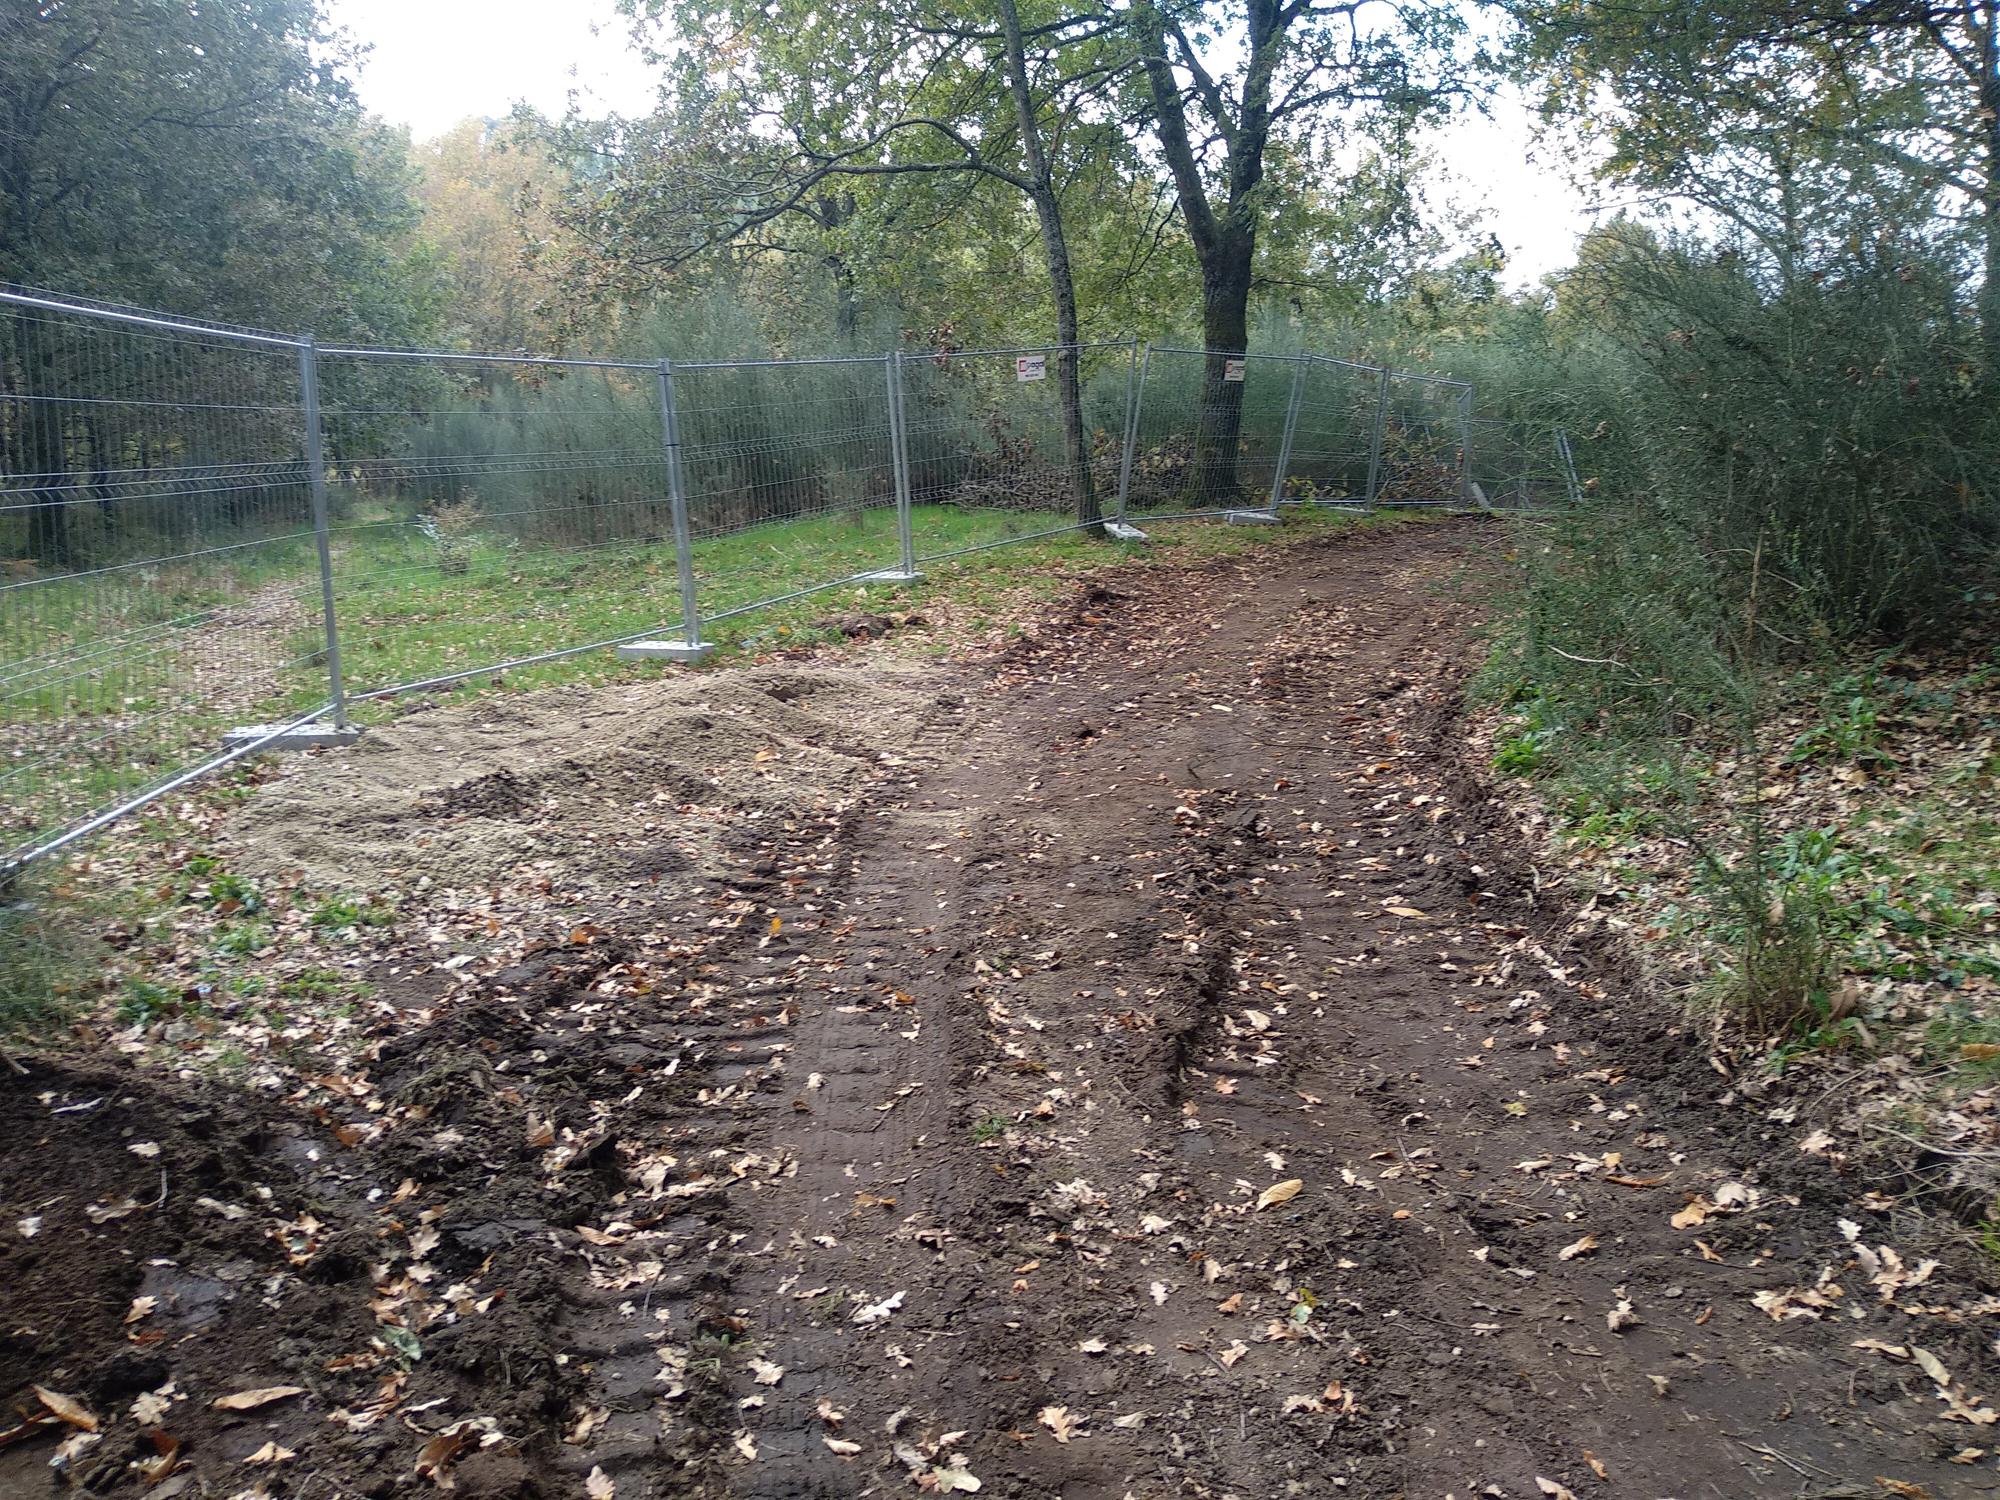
{"x":215,"y":540}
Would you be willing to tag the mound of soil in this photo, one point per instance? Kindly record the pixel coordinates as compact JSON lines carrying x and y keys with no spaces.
{"x":583,"y":786}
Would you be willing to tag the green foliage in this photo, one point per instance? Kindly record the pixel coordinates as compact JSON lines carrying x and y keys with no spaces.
{"x":338,"y":914}
{"x":207,"y":158}
{"x":1522,"y":754}
{"x":1779,"y":921}
{"x":231,"y":893}
{"x":144,"y":1002}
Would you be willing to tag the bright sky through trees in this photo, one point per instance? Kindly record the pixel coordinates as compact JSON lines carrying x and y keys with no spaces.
{"x":436,"y":62}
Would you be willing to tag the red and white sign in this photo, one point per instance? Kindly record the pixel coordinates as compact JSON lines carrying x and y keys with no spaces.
{"x":1232,"y":369}
{"x":1031,"y":367}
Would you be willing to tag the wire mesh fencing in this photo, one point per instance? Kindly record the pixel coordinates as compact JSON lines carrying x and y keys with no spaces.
{"x":1334,"y":434}
{"x":491,"y":509}
{"x":1424,"y":442}
{"x":156,"y":517}
{"x":1522,"y":467}
{"x":1211,"y":431}
{"x":988,"y":444}
{"x":211,"y":537}
{"x":789,"y":470}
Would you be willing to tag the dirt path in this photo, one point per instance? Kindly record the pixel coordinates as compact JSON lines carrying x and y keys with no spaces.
{"x":1161,"y":1081}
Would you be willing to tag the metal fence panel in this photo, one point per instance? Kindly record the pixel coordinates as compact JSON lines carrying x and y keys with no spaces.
{"x":989,"y":461}
{"x":790,"y":476}
{"x":1330,"y":451}
{"x":1210,"y":431}
{"x":160,"y":584}
{"x":489,"y":510}
{"x":1521,"y":467}
{"x":1424,"y":442}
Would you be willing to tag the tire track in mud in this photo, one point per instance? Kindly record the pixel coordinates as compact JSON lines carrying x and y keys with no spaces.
{"x":1200,"y":905}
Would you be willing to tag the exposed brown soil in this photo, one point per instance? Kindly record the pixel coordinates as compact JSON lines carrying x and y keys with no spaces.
{"x":1159,"y":1077}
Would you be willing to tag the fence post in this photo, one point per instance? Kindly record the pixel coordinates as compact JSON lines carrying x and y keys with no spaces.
{"x":690,"y":647}
{"x":1465,"y":447}
{"x":1569,"y":467}
{"x":905,"y":570}
{"x":1375,"y":438}
{"x":322,"y":539}
{"x":1135,"y":400}
{"x":670,"y":429}
{"x":1291,"y":425}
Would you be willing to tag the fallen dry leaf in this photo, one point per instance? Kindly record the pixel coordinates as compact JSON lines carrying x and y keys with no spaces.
{"x":67,"y":1408}
{"x":1280,"y":1192}
{"x":166,"y":1457}
{"x":1582,"y":1247}
{"x":1058,"y":1420}
{"x":434,"y":1459}
{"x":953,"y":1478}
{"x":262,"y":1396}
{"x":878,"y":1312}
{"x":597,"y":1485}
{"x":271,"y":1453}
{"x":841,"y":1446}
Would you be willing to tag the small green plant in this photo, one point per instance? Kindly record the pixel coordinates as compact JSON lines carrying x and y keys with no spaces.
{"x":230,"y":894}
{"x":342,"y":914}
{"x":1850,"y":733}
{"x":45,"y":962}
{"x":988,"y":1128}
{"x":314,"y":984}
{"x":1988,"y":1230}
{"x":453,"y":528}
{"x":241,"y":939}
{"x":1779,"y":922}
{"x":144,"y":1002}
{"x":1523,"y":754}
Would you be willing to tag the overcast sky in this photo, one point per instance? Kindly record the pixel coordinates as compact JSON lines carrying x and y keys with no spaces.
{"x":434,"y":62}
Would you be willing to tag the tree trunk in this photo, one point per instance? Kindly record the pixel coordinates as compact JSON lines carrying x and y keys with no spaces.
{"x":1062,"y":284}
{"x":831,"y":212}
{"x":1224,"y":241}
{"x":1225,"y":334}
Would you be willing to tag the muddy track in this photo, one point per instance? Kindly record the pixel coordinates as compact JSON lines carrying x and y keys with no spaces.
{"x":958,"y":1143}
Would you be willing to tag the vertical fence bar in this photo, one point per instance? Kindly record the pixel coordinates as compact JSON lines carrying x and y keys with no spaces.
{"x":322,"y":540}
{"x":1465,"y":446}
{"x":1375,"y":436}
{"x":670,"y":429}
{"x":1135,"y":397}
{"x":1568,"y":458}
{"x":1291,"y":426}
{"x":899,"y":452}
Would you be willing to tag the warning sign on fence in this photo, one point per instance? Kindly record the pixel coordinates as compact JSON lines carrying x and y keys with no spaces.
{"x":1232,"y":369}
{"x":1031,"y":366}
